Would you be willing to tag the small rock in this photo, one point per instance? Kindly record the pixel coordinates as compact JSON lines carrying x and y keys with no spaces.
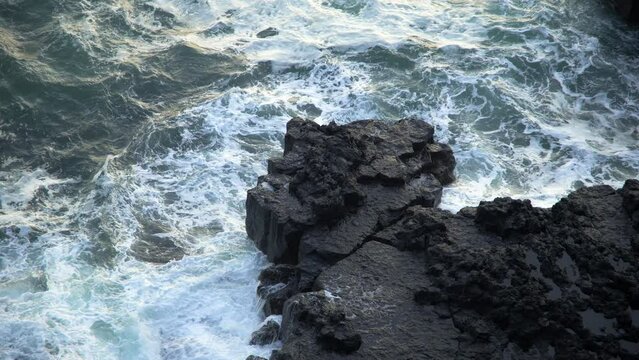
{"x":267,"y":334}
{"x":156,"y":249}
{"x":280,"y":355}
{"x":268,"y":32}
{"x":253,"y":357}
{"x":219,"y":29}
{"x":311,"y":110}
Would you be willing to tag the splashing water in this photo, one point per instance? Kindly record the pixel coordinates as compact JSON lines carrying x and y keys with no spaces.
{"x":124,"y":121}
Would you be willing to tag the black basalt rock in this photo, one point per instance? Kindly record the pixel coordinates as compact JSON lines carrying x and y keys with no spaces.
{"x":267,"y":334}
{"x":268,"y":32}
{"x":506,"y":216}
{"x":335,"y":184}
{"x":375,"y":271}
{"x":528,"y":283}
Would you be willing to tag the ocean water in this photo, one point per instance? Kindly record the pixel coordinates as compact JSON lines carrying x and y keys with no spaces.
{"x":125,"y":121}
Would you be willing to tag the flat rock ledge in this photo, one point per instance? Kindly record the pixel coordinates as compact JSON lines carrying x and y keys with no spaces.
{"x":366,"y":266}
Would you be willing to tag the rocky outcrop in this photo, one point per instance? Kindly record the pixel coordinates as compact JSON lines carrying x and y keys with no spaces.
{"x":337,"y":185}
{"x":503,"y":280}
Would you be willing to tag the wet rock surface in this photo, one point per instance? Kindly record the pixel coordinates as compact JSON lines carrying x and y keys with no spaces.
{"x":503,"y":280}
{"x":267,"y":334}
{"x":268,"y":32}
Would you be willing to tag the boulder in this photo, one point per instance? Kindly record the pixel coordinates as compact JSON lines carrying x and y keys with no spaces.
{"x":267,"y":334}
{"x":323,"y":325}
{"x":268,"y":32}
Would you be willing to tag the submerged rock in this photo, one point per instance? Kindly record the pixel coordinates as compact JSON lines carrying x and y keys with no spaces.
{"x":156,"y":249}
{"x":373,"y":271}
{"x":155,"y":244}
{"x":218,"y":29}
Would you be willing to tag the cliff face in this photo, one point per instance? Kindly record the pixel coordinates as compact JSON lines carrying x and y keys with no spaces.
{"x":367,"y":268}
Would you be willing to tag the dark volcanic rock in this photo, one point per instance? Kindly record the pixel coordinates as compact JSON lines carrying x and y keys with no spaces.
{"x":321,"y":322}
{"x":277,"y":284}
{"x":336,"y":185}
{"x":253,"y":357}
{"x":268,"y":32}
{"x":267,"y":334}
{"x":529,"y":283}
{"x":375,"y":272}
{"x":375,"y":286}
{"x":506,"y":217}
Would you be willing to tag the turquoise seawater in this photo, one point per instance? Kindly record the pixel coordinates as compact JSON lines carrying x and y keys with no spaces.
{"x":128,"y":122}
